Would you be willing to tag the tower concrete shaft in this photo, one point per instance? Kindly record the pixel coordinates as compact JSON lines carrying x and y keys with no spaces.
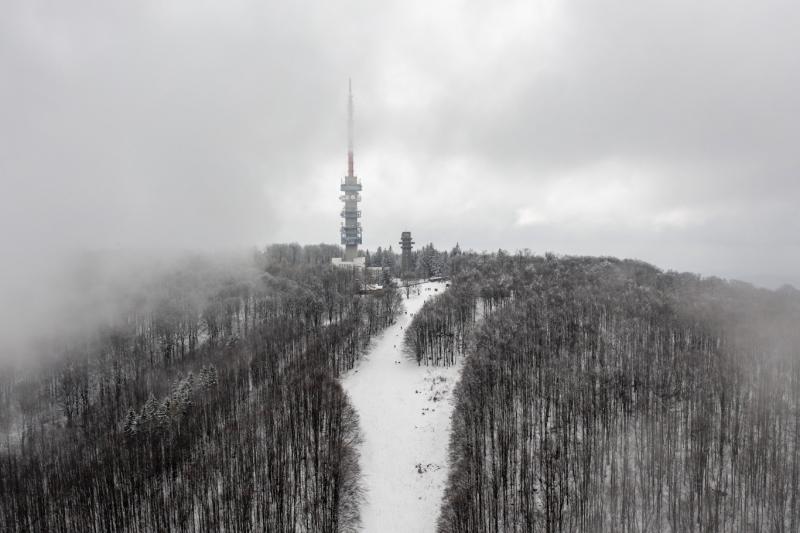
{"x":405,"y":246}
{"x":351,"y":187}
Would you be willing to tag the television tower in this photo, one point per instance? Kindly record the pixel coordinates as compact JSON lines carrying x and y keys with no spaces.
{"x":351,"y":187}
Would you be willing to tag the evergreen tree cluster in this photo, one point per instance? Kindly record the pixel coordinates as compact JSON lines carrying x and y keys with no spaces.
{"x":426,"y":262}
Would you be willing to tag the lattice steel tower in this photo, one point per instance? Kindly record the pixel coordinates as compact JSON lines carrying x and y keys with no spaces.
{"x":351,"y":187}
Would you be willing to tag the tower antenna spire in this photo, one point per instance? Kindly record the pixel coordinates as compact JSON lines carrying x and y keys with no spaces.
{"x":350,"y":128}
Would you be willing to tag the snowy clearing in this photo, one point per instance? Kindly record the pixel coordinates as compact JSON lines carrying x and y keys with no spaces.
{"x":404,"y":412}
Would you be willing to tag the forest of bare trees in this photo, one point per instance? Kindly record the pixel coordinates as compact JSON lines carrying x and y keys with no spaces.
{"x":209,"y":403}
{"x":606,"y":395}
{"x":596,"y":395}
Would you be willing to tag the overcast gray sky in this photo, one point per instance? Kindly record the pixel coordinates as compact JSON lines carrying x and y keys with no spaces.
{"x":661,"y":130}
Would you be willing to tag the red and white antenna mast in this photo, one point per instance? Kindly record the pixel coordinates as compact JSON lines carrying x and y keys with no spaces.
{"x":350,"y":130}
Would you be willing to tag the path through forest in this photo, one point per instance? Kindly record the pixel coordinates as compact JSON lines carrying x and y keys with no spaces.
{"x":404,"y":412}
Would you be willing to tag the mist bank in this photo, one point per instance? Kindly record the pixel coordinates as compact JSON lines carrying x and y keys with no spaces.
{"x":51,"y":297}
{"x":54,"y":297}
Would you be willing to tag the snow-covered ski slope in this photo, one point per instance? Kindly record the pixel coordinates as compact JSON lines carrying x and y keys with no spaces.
{"x":404,"y":412}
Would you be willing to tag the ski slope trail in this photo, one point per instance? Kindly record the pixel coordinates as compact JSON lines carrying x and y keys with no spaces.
{"x":404,"y":412}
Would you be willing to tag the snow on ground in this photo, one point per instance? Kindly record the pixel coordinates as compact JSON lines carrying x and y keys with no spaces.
{"x":404,"y":412}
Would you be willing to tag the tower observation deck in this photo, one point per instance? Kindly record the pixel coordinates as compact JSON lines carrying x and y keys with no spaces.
{"x":351,"y":194}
